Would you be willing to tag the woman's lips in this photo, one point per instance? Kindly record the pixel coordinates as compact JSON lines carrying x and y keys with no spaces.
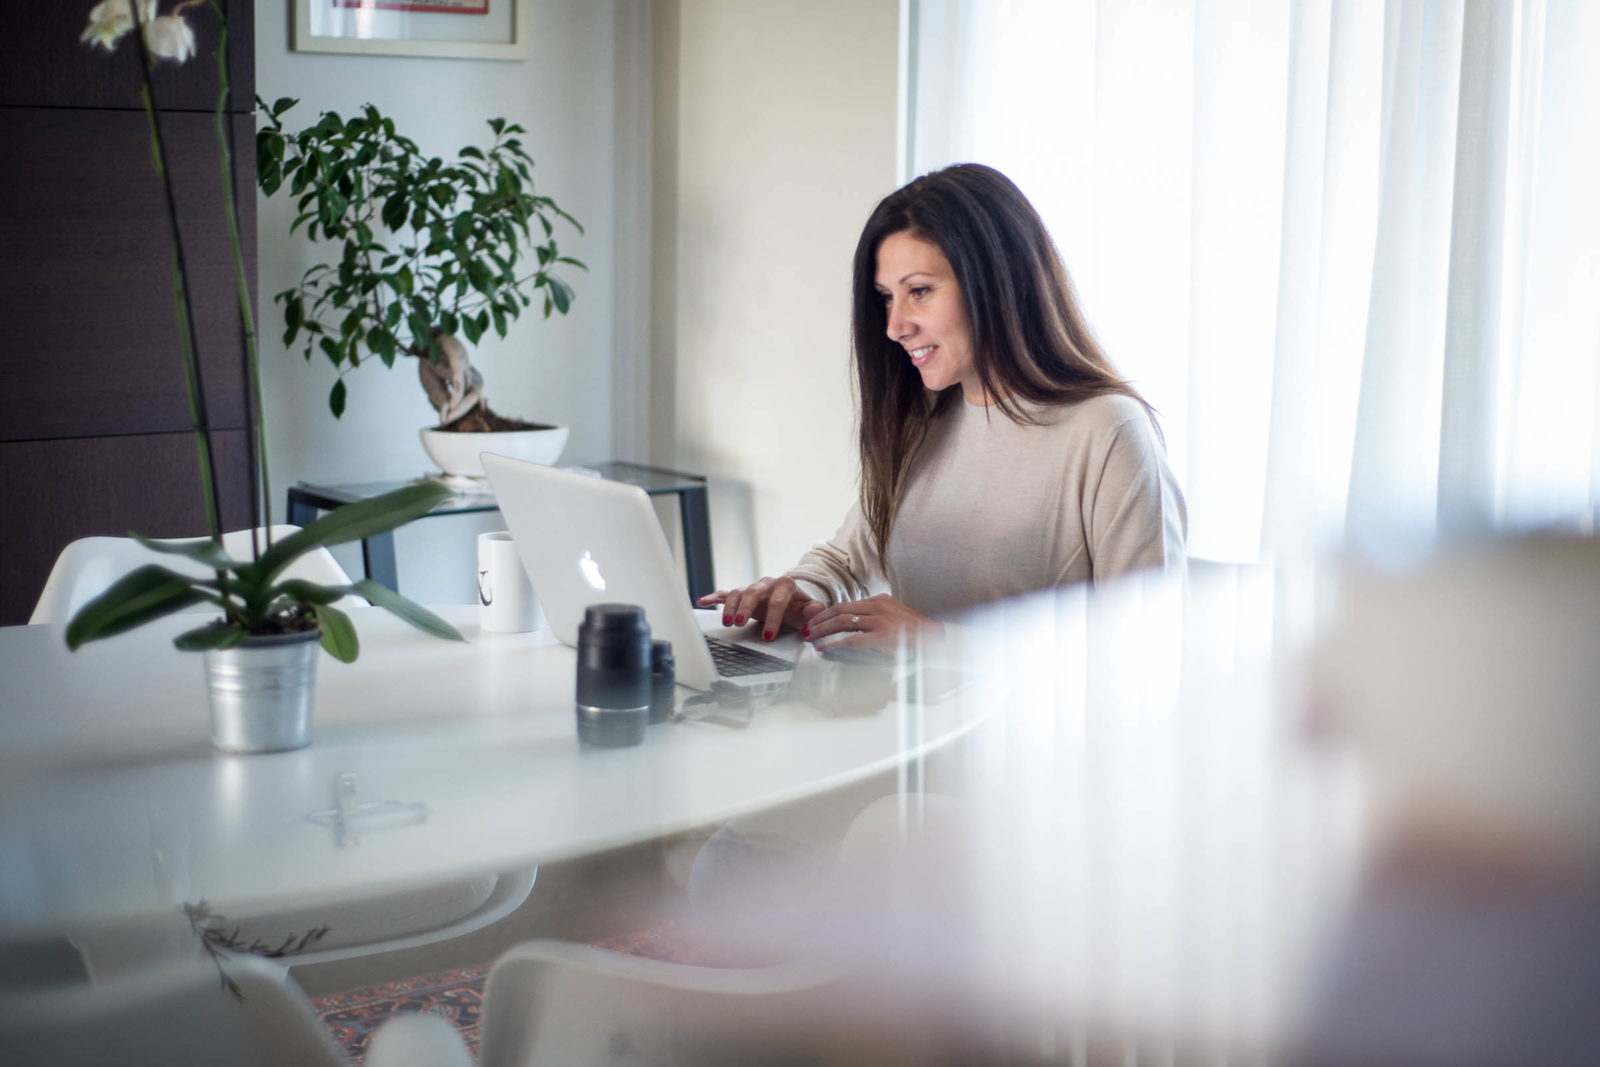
{"x":920,"y":356}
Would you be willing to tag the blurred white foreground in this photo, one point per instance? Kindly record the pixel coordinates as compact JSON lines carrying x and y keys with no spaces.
{"x":1231,"y":818}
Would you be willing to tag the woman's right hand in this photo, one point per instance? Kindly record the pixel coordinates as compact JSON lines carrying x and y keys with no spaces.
{"x":774,"y":602}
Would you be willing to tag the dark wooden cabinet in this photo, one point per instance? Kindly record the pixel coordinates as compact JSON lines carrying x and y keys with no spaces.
{"x":47,"y":65}
{"x":94,"y":421}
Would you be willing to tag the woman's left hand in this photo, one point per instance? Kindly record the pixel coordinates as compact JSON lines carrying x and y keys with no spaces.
{"x":876,"y":622}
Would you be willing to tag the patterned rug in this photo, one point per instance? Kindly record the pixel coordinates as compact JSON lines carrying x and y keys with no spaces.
{"x":352,"y":1016}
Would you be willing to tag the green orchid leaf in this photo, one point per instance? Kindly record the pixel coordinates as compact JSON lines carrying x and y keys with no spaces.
{"x":338,"y":634}
{"x":201,"y":550}
{"x":355,"y":522}
{"x":146,"y":593}
{"x":409,"y":610}
{"x":301,"y":591}
{"x":336,"y":398}
{"x":212,"y":635}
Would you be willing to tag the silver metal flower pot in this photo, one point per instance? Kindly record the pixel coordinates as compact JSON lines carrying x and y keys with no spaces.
{"x":261,"y":692}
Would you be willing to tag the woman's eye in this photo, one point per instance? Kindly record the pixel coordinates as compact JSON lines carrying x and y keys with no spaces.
{"x":919,"y":291}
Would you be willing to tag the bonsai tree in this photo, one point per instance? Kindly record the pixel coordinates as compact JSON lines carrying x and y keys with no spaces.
{"x":425,"y":250}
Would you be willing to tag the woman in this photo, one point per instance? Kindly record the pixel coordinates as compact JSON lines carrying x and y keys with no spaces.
{"x":1000,"y":453}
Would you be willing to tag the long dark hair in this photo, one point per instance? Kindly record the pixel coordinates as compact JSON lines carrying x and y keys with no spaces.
{"x":1029,"y":340}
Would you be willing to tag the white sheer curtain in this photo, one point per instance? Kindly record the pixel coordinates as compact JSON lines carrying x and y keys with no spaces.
{"x":1349,"y":249}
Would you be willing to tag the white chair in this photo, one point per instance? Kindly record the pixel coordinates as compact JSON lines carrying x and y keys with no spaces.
{"x":357,"y":926}
{"x":404,"y":919}
{"x":88,"y":566}
{"x":554,"y":1002}
{"x":180,"y":1014}
{"x":172,"y":1015}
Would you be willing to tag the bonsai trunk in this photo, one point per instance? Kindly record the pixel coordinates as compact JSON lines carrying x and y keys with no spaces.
{"x":455,"y":388}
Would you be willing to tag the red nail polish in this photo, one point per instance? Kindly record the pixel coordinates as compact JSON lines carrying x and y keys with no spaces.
{"x":739,"y":620}
{"x":766,"y":635}
{"x":727,"y":621}
{"x":805,"y":631}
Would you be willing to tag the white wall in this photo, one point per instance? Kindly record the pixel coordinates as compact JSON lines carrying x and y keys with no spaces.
{"x":559,"y":370}
{"x":712,"y":330}
{"x":776,"y":135}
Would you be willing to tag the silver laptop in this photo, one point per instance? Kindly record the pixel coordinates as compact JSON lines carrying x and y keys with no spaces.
{"x":585,"y":540}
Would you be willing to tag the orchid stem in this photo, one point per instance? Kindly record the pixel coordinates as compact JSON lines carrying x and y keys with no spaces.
{"x":194,"y":378}
{"x":255,"y":427}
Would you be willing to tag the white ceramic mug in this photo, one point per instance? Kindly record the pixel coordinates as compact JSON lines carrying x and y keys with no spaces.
{"x":506,"y":602}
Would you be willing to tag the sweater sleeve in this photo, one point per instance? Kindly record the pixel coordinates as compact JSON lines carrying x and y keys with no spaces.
{"x":841,"y":568}
{"x":1133,"y":513}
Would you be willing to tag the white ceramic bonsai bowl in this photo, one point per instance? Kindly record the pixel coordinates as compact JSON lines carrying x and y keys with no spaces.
{"x":457,"y":453}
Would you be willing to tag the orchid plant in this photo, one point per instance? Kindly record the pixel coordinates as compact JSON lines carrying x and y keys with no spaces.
{"x":251,"y":593}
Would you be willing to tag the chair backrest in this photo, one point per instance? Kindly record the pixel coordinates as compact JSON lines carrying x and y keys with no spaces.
{"x":174,"y":1014}
{"x":552,"y":1002}
{"x":88,"y":566}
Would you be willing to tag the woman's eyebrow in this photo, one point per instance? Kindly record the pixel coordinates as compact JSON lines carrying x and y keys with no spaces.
{"x":902,"y":279}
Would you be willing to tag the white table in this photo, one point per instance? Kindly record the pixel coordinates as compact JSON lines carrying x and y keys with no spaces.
{"x":114,"y":807}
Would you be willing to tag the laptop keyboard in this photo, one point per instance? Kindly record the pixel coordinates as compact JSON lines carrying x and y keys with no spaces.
{"x":733,"y":660}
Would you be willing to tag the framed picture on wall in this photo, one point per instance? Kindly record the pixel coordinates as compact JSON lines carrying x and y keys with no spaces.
{"x":451,"y":29}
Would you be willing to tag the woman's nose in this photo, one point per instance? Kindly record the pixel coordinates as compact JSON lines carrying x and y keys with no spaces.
{"x":897,"y":324}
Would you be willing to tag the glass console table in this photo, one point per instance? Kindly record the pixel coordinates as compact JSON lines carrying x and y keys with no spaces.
{"x":377,"y":551}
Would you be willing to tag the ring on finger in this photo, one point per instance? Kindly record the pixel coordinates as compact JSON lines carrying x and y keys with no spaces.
{"x":855,"y":620}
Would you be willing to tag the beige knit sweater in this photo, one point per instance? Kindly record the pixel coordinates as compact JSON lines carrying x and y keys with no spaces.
{"x":993,"y":509}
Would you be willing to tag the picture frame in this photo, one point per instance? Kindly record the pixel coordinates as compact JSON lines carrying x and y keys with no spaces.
{"x":447,"y":29}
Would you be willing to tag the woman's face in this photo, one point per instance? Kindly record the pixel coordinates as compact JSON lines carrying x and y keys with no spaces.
{"x":927,"y":314}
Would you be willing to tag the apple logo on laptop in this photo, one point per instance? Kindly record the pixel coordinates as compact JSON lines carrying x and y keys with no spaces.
{"x":591,"y":573}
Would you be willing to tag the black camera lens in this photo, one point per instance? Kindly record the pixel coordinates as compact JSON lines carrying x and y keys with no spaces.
{"x":663,"y":681}
{"x":613,"y":697}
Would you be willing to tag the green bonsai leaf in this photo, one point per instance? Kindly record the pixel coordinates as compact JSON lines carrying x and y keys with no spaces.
{"x":212,"y":635}
{"x":134,"y":599}
{"x":460,"y":229}
{"x":417,"y":615}
{"x":560,"y":295}
{"x":338,"y":634}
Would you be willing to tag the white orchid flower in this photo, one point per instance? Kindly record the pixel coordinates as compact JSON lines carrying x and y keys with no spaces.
{"x":169,"y":37}
{"x":110,"y":19}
